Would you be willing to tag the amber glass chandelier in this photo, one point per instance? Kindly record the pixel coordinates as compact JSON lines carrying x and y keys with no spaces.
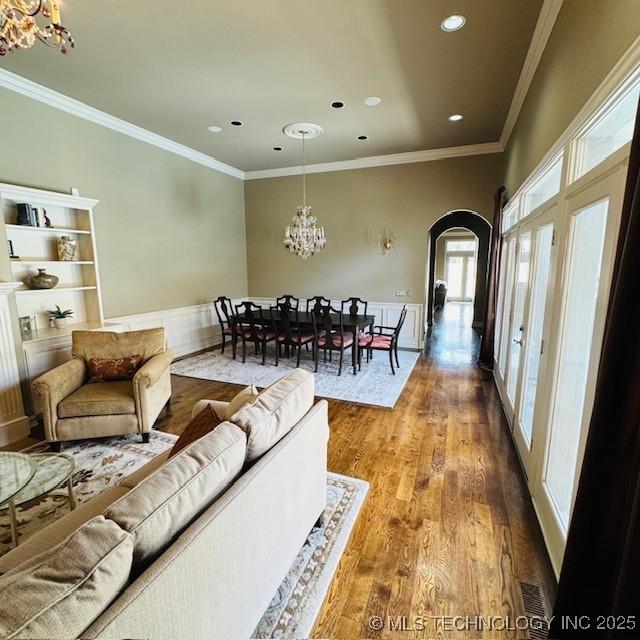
{"x":25,"y":22}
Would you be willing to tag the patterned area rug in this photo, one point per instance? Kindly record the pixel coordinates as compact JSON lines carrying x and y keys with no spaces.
{"x":374,"y":384}
{"x":100,"y":464}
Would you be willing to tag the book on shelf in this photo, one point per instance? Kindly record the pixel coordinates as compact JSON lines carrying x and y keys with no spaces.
{"x":41,"y":220}
{"x":29,"y":216}
{"x":26,"y":216}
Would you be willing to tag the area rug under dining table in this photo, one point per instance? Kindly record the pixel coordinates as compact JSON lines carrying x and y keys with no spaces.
{"x":102,"y":463}
{"x":373,"y":385}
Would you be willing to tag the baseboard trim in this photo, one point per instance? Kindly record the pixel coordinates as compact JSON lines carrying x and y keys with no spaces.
{"x":14,"y":430}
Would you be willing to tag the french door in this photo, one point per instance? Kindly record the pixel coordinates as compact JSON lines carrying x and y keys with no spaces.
{"x":561,"y":419}
{"x":556,"y":275}
{"x":460,"y":274}
{"x":538,"y":237}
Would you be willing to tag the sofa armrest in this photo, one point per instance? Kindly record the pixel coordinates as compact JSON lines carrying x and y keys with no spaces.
{"x":54,"y":386}
{"x":217,"y":405}
{"x":149,"y":373}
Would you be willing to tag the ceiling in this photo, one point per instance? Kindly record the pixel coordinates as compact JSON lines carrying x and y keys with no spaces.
{"x":175,"y":68}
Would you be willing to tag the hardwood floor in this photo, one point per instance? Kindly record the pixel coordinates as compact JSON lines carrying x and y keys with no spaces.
{"x":447,"y":528}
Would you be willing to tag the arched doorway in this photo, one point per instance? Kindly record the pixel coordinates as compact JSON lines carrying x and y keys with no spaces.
{"x":475,"y":223}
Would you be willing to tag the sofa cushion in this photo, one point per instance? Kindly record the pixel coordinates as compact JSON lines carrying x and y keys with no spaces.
{"x":275,"y":411}
{"x":99,"y":399}
{"x":111,"y":369}
{"x":205,"y":422}
{"x":108,"y":344}
{"x":54,"y":533}
{"x":60,"y":592}
{"x":166,"y":501}
{"x":140,"y":474}
{"x":247,"y":395}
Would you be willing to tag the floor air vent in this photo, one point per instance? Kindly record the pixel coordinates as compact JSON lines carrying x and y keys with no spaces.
{"x":535,"y":609}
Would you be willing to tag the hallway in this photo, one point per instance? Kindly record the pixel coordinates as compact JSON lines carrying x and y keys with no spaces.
{"x":451,"y":340}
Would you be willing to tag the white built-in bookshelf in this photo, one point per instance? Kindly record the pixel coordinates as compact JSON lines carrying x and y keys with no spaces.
{"x":78,"y":288}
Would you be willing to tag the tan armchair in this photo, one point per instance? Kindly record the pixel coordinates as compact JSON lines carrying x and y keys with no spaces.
{"x":74,"y":409}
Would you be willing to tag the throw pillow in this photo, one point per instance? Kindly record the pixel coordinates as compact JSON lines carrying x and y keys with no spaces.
{"x":111,"y":369}
{"x":205,"y":422}
{"x":247,"y":395}
{"x":60,"y":592}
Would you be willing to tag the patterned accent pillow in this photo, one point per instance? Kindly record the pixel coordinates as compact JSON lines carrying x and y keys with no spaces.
{"x":202,"y":424}
{"x":112,"y":369}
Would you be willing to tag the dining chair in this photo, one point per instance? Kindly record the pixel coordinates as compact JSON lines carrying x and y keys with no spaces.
{"x":252,"y":327}
{"x":329,"y":334}
{"x":290,"y":301}
{"x":316,"y":303}
{"x":383,"y":339}
{"x":355,"y":307}
{"x":226,"y":318}
{"x":289,"y":332}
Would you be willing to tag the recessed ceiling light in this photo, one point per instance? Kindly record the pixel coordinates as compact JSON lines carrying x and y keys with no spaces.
{"x":236,"y":123}
{"x":372,"y":101}
{"x":453,"y":23}
{"x":215,"y":129}
{"x":337,"y":104}
{"x":277,"y":148}
{"x":456,"y":117}
{"x":363,"y":137}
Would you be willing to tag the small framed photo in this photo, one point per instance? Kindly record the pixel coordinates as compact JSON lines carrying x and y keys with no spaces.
{"x":27,"y":326}
{"x":12,"y":255}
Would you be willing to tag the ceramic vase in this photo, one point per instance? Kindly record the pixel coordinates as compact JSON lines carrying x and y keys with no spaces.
{"x":60,"y":322}
{"x":42,"y":280}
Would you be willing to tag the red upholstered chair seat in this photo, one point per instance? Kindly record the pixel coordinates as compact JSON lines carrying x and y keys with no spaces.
{"x":304,"y":337}
{"x":344,"y":340}
{"x":260,"y":335}
{"x":265,"y":335}
{"x":376,"y":342}
{"x":228,"y":331}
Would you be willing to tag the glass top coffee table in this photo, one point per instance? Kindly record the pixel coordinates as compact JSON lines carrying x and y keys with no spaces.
{"x":24,"y":477}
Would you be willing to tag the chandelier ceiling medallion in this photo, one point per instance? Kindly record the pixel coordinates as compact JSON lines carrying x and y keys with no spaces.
{"x":303,"y":237}
{"x":23,"y":22}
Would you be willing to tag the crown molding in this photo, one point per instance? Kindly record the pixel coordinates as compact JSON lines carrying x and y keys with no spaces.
{"x":544,"y":26}
{"x":41,"y":196}
{"x":381,"y":161}
{"x":43,"y":94}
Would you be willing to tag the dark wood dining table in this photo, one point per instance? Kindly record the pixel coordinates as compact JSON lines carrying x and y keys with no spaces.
{"x":353,"y":323}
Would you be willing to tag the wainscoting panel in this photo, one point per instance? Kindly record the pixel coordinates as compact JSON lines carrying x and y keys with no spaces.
{"x":14,"y":424}
{"x":188,"y":329}
{"x":191,"y":329}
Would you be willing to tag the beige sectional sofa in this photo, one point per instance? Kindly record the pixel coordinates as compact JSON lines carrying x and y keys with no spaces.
{"x":192,"y":546}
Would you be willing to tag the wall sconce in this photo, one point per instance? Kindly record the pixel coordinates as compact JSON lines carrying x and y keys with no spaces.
{"x":387,"y":241}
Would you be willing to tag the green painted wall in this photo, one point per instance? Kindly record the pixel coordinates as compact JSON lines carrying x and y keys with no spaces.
{"x":170,"y":232}
{"x":589,"y":37}
{"x":355,"y":207}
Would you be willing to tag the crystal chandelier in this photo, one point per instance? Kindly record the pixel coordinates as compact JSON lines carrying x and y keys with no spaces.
{"x":303,"y":238}
{"x":23,"y":22}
